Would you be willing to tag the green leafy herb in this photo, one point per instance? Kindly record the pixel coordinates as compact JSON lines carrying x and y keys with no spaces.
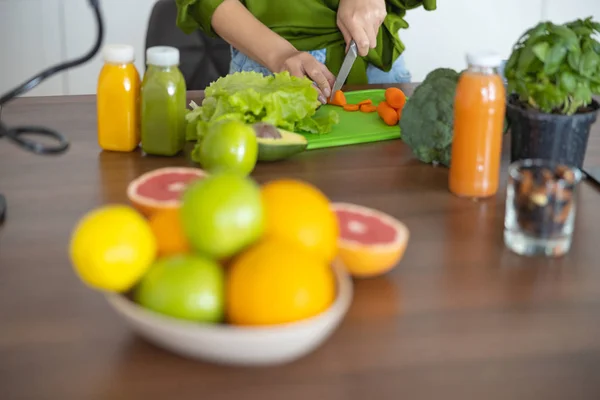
{"x":556,"y":68}
{"x":282,"y":100}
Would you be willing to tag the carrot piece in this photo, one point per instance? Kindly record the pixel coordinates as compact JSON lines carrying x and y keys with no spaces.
{"x":339,"y":99}
{"x":395,"y":98}
{"x":351,"y":107}
{"x":365,"y":102}
{"x":368,"y":108}
{"x":387,"y":113}
{"x":399,"y":111}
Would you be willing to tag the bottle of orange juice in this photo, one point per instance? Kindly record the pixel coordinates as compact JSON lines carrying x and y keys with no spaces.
{"x":118,"y":95}
{"x":479,"y":108}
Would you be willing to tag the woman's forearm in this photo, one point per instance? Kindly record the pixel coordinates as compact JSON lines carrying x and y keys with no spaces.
{"x":234,"y":23}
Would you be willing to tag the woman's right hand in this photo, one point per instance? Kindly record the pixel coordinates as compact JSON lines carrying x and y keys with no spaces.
{"x":300,"y":64}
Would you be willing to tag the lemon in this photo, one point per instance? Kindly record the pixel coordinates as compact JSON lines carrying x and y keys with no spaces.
{"x":112,"y":247}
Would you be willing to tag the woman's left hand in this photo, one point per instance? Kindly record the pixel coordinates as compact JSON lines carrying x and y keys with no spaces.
{"x":360,"y":20}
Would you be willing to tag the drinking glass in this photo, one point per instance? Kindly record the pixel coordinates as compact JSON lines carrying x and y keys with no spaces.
{"x":540,"y":207}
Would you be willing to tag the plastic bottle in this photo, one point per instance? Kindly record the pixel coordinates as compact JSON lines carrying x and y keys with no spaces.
{"x":479,"y":110}
{"x":163,"y":103}
{"x":117,"y":95}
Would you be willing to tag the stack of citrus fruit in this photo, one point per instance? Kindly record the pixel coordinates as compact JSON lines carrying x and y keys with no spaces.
{"x":214,"y":248}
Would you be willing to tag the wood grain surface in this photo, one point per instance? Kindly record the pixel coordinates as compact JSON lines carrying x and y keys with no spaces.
{"x":459,"y":318}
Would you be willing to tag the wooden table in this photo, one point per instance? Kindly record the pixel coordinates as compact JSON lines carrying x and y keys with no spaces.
{"x":460,"y":318}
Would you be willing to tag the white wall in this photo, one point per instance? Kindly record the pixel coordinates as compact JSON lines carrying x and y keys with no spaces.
{"x":442,"y":38}
{"x":30,"y":39}
{"x":37,"y":33}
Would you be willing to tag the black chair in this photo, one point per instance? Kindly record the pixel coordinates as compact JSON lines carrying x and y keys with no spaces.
{"x":203,"y":59}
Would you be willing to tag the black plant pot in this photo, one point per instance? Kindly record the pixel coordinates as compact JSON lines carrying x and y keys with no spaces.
{"x":560,"y":138}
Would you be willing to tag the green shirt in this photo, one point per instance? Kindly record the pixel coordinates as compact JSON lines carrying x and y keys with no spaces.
{"x":311,"y":25}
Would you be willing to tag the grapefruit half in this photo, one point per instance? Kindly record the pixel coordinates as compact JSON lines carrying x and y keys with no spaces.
{"x":161,"y":188}
{"x":371,"y":242}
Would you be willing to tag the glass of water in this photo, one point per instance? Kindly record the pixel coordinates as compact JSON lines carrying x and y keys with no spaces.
{"x":540,"y":207}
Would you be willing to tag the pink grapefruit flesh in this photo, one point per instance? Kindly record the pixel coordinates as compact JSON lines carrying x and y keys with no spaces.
{"x":161,"y":188}
{"x":371,"y":242}
{"x":167,"y":186}
{"x":364,"y":228}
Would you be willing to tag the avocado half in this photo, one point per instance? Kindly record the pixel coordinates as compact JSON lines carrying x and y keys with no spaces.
{"x":274,"y":149}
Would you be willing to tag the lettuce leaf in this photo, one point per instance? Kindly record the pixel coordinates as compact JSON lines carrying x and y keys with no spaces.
{"x":281,"y":99}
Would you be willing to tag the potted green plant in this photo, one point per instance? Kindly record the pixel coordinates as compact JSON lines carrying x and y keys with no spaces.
{"x":553,"y":73}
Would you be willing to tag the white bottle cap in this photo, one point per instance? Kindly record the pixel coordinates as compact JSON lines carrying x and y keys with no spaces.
{"x":162,"y":56}
{"x":485,"y":59}
{"x":118,"y":53}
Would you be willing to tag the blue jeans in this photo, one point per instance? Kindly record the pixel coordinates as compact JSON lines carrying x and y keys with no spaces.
{"x":397,"y":74}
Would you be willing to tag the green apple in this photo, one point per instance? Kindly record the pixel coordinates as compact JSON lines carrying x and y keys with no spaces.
{"x":187,"y":287}
{"x":229,"y":146}
{"x":222,"y":214}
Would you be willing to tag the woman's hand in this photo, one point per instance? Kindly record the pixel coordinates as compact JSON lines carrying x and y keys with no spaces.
{"x":234,"y":23}
{"x":300,"y":64}
{"x":360,"y":20}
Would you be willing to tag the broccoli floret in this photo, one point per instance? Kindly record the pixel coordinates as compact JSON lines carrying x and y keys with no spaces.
{"x":441,"y":73}
{"x":428,"y":117}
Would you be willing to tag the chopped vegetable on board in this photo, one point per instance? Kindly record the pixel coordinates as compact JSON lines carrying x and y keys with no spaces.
{"x":339,"y":99}
{"x":395,"y":98}
{"x":368,"y":108}
{"x":390,"y":110}
{"x":387,"y":113}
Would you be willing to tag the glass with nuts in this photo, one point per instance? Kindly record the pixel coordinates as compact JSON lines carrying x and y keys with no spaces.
{"x":540,"y":207}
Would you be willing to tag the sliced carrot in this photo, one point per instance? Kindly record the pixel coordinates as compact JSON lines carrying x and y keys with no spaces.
{"x":395,"y":98}
{"x":339,"y":99}
{"x":365,"y":102}
{"x":387,"y":113}
{"x":368,"y":108}
{"x":351,"y":107}
{"x":399,"y":112}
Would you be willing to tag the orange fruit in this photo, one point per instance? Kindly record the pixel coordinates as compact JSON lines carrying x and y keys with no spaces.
{"x":299,"y":212}
{"x":167,"y":229}
{"x":161,"y":188}
{"x":371,"y":243}
{"x":276,"y":282}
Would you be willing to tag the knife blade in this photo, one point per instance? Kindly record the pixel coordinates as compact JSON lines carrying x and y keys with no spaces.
{"x":345,"y":69}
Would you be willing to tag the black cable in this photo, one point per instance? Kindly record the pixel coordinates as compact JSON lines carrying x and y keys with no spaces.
{"x":18,"y":134}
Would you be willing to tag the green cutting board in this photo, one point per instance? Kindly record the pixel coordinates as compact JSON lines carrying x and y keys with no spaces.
{"x":354,"y":126}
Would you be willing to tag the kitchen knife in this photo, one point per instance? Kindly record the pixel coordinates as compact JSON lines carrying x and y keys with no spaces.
{"x":345,"y":69}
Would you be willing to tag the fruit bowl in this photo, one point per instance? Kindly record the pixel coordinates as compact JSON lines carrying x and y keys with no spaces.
{"x":236,"y":345}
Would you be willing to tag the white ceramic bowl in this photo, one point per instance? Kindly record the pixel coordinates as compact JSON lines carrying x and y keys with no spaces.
{"x":246,"y":346}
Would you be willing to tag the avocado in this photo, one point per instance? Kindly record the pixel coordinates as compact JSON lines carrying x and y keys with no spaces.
{"x":277,"y":144}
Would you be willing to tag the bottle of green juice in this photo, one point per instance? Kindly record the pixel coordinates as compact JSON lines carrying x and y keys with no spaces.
{"x":163,"y":103}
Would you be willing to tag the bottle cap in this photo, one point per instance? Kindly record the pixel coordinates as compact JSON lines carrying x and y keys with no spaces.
{"x":486,"y":59}
{"x":118,"y":53}
{"x":162,"y":56}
